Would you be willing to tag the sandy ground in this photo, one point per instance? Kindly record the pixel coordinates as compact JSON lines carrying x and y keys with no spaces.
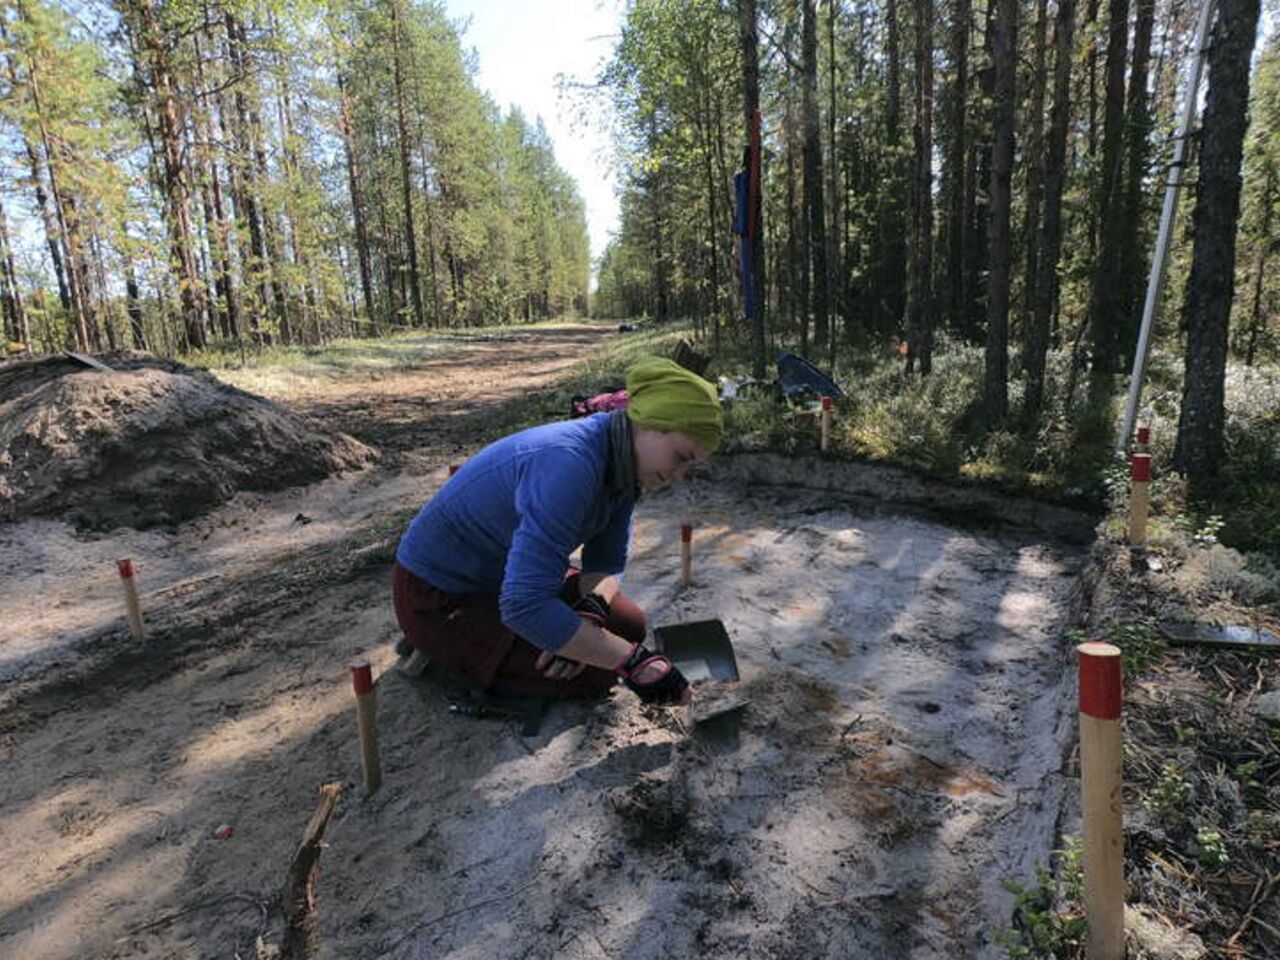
{"x":900,"y":755}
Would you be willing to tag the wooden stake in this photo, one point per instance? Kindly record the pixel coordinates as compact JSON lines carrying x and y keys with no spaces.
{"x":367,"y":721}
{"x":1142,"y":444}
{"x":125,"y":566}
{"x":1139,"y":497}
{"x":827,"y":406}
{"x":299,"y":900}
{"x":1103,"y":807}
{"x":686,"y":554}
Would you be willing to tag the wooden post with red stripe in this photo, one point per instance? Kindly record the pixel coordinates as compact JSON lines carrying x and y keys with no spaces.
{"x":686,"y":554}
{"x":367,"y":722}
{"x":125,"y":566}
{"x":1139,"y":497}
{"x":1101,"y":783}
{"x":828,"y":405}
{"x":1142,"y":443}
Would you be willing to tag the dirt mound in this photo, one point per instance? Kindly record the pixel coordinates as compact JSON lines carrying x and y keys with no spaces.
{"x":151,"y":442}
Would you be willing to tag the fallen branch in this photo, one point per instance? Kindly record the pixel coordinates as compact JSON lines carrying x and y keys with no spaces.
{"x":299,"y":885}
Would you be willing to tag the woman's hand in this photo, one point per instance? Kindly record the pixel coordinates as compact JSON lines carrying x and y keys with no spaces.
{"x":654,"y":678}
{"x":555,"y":667}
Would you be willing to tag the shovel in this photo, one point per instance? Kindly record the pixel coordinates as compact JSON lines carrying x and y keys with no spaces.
{"x":703,"y":652}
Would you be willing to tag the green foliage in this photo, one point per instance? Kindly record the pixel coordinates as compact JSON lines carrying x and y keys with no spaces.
{"x":674,"y":83}
{"x":1048,"y":923}
{"x":1139,"y":645}
{"x":1256,"y":314}
{"x":1262,"y":826}
{"x":1247,"y":773}
{"x":1242,"y":507}
{"x":500,"y":228}
{"x":1209,"y":849}
{"x":929,"y":425}
{"x":1170,"y":798}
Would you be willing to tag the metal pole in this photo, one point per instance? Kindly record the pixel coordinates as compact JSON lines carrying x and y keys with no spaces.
{"x":1159,"y":260}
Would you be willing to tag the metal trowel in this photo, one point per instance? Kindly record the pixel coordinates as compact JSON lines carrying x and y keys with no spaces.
{"x":703,"y":652}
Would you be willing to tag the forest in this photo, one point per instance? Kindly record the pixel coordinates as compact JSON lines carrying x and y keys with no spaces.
{"x":984,"y":174}
{"x":963,"y":173}
{"x":235,"y":172}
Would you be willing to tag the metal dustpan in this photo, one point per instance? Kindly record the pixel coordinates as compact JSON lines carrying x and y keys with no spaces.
{"x":701,"y":650}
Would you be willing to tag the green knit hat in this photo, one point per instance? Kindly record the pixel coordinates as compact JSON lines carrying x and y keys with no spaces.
{"x":662,"y":395}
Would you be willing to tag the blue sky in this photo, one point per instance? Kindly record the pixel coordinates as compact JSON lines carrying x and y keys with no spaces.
{"x":521,"y":48}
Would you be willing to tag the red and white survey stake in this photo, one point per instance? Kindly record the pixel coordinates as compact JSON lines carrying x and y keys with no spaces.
{"x":367,"y":721}
{"x":686,"y":554}
{"x":125,"y":567}
{"x":828,"y":405}
{"x":1101,"y":786}
{"x":1139,"y":497}
{"x":1142,"y":443}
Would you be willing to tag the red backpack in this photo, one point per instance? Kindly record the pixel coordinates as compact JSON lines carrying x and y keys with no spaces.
{"x":581,"y":406}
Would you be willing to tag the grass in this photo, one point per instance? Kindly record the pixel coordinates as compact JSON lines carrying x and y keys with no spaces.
{"x":933,"y":425}
{"x":1244,"y":501}
{"x":930,"y":425}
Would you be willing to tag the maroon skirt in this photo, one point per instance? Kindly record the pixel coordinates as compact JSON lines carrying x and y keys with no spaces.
{"x":465,"y":635}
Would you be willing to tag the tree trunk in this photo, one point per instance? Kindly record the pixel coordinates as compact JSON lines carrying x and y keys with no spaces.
{"x":1091,"y":136}
{"x":1211,"y":284}
{"x":1106,"y":299}
{"x":177,"y":173}
{"x":1132,"y":244}
{"x":133,"y":306}
{"x":1004,"y":47}
{"x":1055,"y":165}
{"x":749,"y":45}
{"x":957,"y":294}
{"x":835,"y":302}
{"x":67,"y":227}
{"x":104,"y":312}
{"x":15,"y":312}
{"x":713,"y":233}
{"x":978,"y":198}
{"x":891,"y":298}
{"x":433,"y":262}
{"x":402,"y":129}
{"x":919,"y":312}
{"x":218,"y":223}
{"x":357,"y":201}
{"x":245,"y":188}
{"x":42,"y":197}
{"x":814,"y":205}
{"x":797,"y":292}
{"x":1265,"y":243}
{"x":1033,"y":151}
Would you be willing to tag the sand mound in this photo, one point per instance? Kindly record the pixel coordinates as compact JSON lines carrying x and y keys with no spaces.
{"x":151,"y":442}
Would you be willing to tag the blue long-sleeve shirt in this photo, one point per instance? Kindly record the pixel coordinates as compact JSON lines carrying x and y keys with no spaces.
{"x":507,"y":521}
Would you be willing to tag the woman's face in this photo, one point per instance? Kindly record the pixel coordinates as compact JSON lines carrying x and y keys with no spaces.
{"x":663,"y":458}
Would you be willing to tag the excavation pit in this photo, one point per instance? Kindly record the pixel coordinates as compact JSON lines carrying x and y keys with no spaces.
{"x":902,"y":648}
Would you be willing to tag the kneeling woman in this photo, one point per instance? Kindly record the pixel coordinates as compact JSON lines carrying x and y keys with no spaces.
{"x":482,"y":581}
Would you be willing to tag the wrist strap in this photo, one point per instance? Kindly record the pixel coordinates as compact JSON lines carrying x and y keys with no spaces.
{"x":627,"y":664}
